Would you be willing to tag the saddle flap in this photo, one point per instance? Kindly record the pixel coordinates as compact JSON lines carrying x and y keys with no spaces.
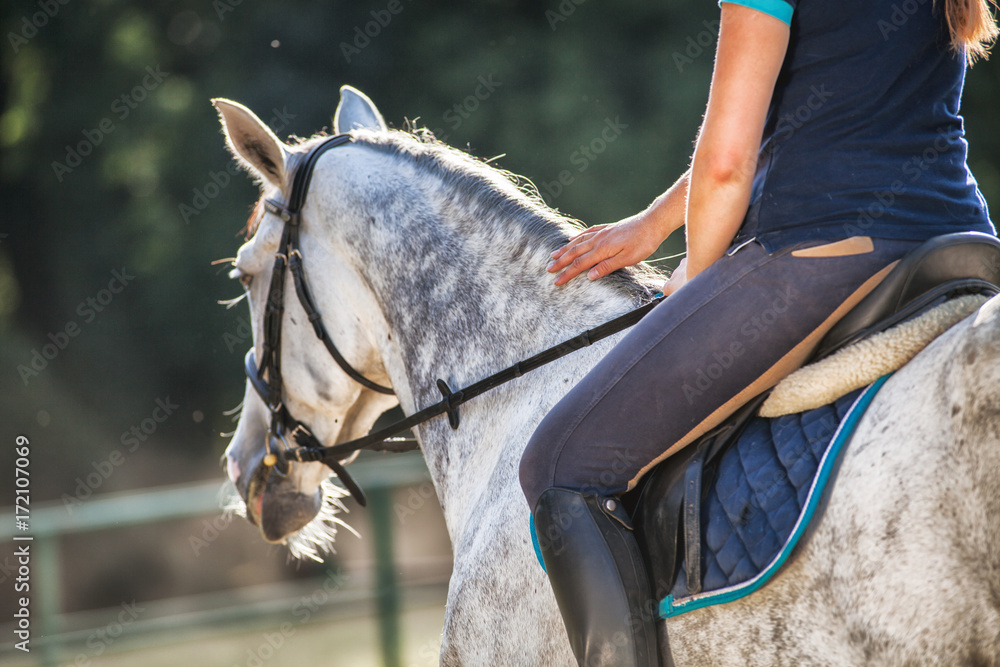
{"x":662,"y":517}
{"x":657,"y":520}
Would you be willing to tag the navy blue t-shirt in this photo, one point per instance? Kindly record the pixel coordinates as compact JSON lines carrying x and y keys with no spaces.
{"x":863,"y":136}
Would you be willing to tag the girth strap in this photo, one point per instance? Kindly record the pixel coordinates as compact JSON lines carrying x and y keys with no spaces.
{"x":698,"y":474}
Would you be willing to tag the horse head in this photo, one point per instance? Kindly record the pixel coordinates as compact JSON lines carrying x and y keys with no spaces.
{"x":294,"y":502}
{"x":424,"y":263}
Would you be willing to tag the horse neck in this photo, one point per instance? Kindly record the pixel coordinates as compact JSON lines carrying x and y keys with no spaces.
{"x":469,"y":297}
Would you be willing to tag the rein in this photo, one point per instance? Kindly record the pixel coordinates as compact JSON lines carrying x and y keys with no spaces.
{"x":283,"y":425}
{"x":452,"y":399}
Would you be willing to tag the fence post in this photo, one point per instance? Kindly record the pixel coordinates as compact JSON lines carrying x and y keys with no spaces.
{"x":386,"y":589}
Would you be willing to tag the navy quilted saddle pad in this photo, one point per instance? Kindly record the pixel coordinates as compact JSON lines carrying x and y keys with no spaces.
{"x":757,"y":498}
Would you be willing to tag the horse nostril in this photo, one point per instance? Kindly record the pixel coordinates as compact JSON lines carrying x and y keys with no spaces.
{"x":259,"y":505}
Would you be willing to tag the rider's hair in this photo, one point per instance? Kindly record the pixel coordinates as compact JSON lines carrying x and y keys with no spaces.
{"x":972,"y":26}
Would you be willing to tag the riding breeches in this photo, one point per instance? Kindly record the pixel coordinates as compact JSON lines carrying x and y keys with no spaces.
{"x":732,"y":332}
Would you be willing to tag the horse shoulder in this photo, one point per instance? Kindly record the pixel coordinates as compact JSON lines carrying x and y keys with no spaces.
{"x":500,"y":607}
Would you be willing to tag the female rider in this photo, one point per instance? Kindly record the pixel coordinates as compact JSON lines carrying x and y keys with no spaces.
{"x":831,"y":145}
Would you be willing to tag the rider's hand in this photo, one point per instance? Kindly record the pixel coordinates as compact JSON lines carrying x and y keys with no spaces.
{"x":603,"y":249}
{"x":677,"y":279}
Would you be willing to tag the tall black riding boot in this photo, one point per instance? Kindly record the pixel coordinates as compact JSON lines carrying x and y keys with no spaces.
{"x":599,"y":578}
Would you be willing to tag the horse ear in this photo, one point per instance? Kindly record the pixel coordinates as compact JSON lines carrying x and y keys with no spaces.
{"x":252,"y":142}
{"x":356,"y":110}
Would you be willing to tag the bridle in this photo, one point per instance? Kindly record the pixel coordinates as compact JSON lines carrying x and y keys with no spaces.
{"x":283,"y":425}
{"x":289,"y":258}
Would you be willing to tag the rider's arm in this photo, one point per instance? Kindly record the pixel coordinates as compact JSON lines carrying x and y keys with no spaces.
{"x":750,"y":52}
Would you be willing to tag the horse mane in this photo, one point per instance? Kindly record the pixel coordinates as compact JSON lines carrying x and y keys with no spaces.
{"x":492,"y":195}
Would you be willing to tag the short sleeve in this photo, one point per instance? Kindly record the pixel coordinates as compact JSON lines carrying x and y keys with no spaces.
{"x":779,"y":9}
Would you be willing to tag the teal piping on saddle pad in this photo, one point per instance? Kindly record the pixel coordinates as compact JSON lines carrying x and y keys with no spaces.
{"x":670,"y":607}
{"x":534,"y":542}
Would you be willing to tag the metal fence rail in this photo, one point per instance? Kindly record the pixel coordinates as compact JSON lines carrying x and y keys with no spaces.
{"x":380,"y":476}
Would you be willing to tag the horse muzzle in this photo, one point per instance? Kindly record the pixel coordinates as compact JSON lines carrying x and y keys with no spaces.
{"x":277,"y":507}
{"x":274,"y":497}
{"x":281,"y":514}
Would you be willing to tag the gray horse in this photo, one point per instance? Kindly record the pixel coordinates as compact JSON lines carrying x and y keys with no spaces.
{"x":427,"y":263}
